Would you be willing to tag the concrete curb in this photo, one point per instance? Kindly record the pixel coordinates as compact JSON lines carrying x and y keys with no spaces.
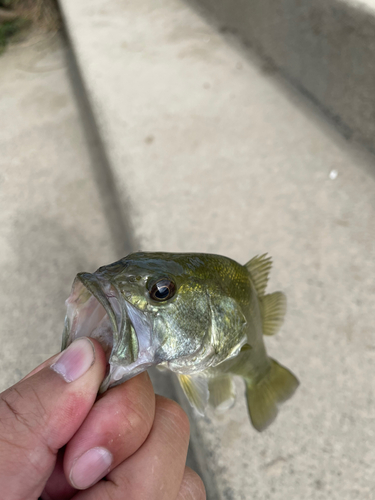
{"x":326,"y":49}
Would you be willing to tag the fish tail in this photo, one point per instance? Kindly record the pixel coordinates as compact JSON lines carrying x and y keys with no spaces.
{"x":275,"y":387}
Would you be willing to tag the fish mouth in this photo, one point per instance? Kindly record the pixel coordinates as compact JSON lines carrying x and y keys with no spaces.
{"x":96,"y":309}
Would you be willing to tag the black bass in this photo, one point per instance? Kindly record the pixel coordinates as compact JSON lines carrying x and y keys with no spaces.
{"x":201,"y":316}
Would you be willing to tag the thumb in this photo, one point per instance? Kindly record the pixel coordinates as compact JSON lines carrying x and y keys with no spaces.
{"x":41,"y":413}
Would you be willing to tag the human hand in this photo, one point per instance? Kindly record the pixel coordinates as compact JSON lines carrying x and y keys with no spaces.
{"x":57,"y":441}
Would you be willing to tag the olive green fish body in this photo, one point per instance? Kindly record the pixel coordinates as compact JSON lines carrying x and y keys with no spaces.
{"x":201,"y":316}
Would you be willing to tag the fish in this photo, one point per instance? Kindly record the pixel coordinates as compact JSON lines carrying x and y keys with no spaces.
{"x":201,"y":316}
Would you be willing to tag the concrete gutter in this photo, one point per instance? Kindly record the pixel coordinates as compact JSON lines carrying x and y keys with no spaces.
{"x":325,"y":48}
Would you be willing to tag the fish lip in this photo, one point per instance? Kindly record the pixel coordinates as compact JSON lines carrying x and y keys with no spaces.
{"x":122,"y":314}
{"x":105,"y":295}
{"x":103,"y":292}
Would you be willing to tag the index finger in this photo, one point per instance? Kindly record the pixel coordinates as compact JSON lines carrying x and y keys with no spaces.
{"x":116,"y":427}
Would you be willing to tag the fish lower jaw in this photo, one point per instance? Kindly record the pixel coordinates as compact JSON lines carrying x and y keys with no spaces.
{"x":119,"y":373}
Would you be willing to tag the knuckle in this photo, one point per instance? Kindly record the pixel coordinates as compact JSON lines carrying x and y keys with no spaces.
{"x":175,"y":414}
{"x":22,"y":419}
{"x":136,"y":418}
{"x":198,"y":488}
{"x":140,"y":391}
{"x":192,"y":487}
{"x":19,"y":408}
{"x":134,"y":405}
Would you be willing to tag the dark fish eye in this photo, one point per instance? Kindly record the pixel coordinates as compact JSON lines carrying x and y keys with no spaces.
{"x":163,"y":289}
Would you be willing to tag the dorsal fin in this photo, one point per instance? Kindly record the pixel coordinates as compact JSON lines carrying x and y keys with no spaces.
{"x":259,"y":268}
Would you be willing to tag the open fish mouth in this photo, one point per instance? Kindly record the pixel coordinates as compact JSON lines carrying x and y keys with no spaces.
{"x":96,"y":309}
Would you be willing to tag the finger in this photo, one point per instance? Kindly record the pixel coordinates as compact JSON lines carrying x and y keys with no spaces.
{"x":48,"y":362}
{"x":192,"y":487}
{"x":156,"y":470}
{"x":57,"y":487}
{"x":116,"y":427}
{"x":41,"y":413}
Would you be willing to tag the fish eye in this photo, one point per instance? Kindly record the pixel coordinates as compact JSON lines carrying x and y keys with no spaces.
{"x":163,"y":289}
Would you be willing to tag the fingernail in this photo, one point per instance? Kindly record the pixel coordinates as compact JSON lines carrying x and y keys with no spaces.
{"x":75,"y":360}
{"x":90,"y":467}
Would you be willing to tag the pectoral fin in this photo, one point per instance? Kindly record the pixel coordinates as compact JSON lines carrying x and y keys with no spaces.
{"x":222,"y":392}
{"x":273,"y":312}
{"x":196,"y":390}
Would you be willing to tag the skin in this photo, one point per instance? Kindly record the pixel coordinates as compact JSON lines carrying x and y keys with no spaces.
{"x":48,"y":422}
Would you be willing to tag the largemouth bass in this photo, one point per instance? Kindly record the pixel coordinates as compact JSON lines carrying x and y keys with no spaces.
{"x":201,"y":316}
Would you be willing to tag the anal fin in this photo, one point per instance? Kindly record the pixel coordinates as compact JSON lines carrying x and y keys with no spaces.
{"x":196,"y":390}
{"x":273,"y":312}
{"x":222,"y":392}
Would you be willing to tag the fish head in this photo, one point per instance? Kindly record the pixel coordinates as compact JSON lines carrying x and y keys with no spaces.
{"x":145,"y":309}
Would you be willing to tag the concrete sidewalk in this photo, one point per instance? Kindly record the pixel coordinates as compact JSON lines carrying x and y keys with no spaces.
{"x":211,"y":152}
{"x":52,"y":221}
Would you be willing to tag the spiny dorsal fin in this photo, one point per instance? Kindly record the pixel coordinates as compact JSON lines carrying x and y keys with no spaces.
{"x":273,"y":312}
{"x":222,"y":392}
{"x":196,"y":390}
{"x":259,"y":267}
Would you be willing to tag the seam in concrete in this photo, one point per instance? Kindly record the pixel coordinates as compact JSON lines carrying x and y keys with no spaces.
{"x":119,"y":223}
